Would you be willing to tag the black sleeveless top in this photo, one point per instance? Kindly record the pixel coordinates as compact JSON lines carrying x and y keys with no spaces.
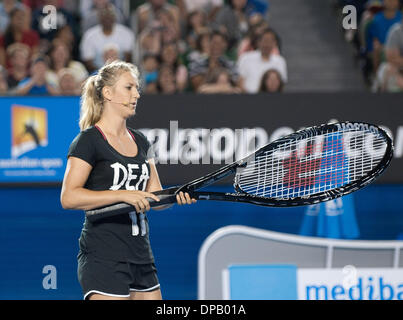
{"x":124,"y":237}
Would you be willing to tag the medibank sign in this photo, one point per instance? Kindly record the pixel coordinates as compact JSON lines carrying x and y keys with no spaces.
{"x":350,"y":284}
{"x":288,"y":282}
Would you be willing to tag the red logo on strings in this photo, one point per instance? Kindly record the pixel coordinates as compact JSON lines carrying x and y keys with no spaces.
{"x":305,"y":170}
{"x":301,"y":171}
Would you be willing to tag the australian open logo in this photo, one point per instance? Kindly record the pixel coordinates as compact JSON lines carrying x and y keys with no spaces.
{"x":29,"y":129}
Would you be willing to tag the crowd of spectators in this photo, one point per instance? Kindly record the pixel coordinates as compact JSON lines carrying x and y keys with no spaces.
{"x":202,"y":46}
{"x":378,"y":42}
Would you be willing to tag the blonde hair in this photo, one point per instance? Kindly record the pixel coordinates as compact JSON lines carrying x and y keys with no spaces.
{"x":92,"y":98}
{"x":17,"y":46}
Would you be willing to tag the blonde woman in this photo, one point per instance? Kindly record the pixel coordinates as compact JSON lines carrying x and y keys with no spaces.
{"x":109,"y":163}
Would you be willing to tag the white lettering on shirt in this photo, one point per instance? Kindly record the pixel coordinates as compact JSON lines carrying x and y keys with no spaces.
{"x":129,"y":174}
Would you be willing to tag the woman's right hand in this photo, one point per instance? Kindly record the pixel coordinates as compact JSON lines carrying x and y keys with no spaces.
{"x":138,"y":199}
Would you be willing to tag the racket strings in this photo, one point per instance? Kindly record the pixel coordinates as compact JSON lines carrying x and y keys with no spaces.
{"x":304,"y":163}
{"x":312,"y":164}
{"x":310,"y":157}
{"x":252,"y":179}
{"x":289,"y":147}
{"x":249,"y":172}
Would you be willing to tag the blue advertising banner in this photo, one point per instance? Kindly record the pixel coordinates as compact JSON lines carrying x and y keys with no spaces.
{"x":36,"y":133}
{"x":261,"y":282}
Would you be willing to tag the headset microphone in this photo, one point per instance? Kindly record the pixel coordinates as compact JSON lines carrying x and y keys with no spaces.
{"x":126,"y":104}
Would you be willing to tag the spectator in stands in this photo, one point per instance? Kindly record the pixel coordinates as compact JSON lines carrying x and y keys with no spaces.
{"x":234,"y":21}
{"x":150,"y":73}
{"x":372,"y":7}
{"x":68,"y":86}
{"x":195,"y":25}
{"x":378,"y":30}
{"x":210,"y":7}
{"x":394,"y":46}
{"x":218,"y":81}
{"x":147,"y":13}
{"x":169,"y":29}
{"x":166,"y":82}
{"x":122,"y":7}
{"x":162,"y":29}
{"x":33,"y":4}
{"x":108,"y":31}
{"x":256,"y":25}
{"x":73,"y":6}
{"x":18,"y":55}
{"x":388,"y":79}
{"x":3,"y":81}
{"x":66,"y":35}
{"x":202,"y":47}
{"x":151,"y":39}
{"x":390,"y":74}
{"x":45,"y":31}
{"x":252,"y":65}
{"x":198,"y":69}
{"x":261,"y":7}
{"x":170,"y":57}
{"x":18,"y":32}
{"x":271,"y":82}
{"x":90,"y":18}
{"x":6,"y":6}
{"x":111,"y":53}
{"x":60,"y":58}
{"x":37,"y":84}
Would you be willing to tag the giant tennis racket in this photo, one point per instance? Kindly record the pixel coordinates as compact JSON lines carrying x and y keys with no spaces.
{"x":309,"y":166}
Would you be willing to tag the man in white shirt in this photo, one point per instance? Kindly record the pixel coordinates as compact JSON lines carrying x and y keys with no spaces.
{"x":252,"y":65}
{"x":107,"y":32}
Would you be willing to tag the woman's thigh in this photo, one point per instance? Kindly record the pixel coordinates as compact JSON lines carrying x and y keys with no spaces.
{"x":151,"y":295}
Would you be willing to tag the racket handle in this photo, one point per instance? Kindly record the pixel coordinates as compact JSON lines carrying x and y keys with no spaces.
{"x":166,"y":196}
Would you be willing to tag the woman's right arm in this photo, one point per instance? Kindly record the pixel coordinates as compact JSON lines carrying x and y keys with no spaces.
{"x":75,"y":196}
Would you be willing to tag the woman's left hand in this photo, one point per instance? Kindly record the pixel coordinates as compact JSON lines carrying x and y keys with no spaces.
{"x":184,"y":198}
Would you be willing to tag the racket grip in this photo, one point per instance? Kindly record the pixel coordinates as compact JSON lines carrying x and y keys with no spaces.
{"x":164,"y":199}
{"x":166,"y":196}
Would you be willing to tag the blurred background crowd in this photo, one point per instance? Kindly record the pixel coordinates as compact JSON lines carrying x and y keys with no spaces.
{"x":202,"y":46}
{"x":378,"y":43}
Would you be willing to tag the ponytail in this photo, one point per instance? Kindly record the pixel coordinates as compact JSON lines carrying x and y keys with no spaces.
{"x":91,"y":104}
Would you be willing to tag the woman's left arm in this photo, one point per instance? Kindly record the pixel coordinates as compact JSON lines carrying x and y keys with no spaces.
{"x":154,"y":184}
